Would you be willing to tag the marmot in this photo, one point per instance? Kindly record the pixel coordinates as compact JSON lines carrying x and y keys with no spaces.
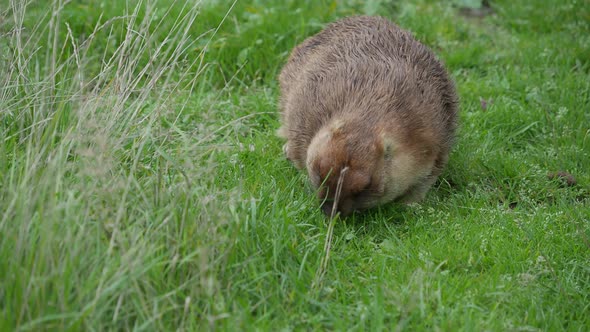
{"x":364,"y":95}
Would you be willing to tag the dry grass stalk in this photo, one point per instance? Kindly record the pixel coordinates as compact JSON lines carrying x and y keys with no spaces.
{"x":329,"y":235}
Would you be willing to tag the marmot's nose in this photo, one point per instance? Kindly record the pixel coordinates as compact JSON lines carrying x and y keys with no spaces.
{"x":327,"y":207}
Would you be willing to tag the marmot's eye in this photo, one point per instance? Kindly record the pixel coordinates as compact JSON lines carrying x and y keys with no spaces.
{"x":368,"y":186}
{"x":362,"y":191}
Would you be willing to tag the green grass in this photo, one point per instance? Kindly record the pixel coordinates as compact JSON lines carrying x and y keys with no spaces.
{"x":142,"y":186}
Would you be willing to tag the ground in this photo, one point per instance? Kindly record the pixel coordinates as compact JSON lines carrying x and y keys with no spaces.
{"x":143,"y":188}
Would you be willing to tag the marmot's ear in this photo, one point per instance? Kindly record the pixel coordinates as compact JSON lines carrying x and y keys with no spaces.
{"x":386,"y":145}
{"x":337,"y":127}
{"x":324,"y":136}
{"x":317,"y":145}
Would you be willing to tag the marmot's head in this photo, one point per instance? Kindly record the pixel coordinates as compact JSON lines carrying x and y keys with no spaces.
{"x":361,"y":151}
{"x":380,"y":167}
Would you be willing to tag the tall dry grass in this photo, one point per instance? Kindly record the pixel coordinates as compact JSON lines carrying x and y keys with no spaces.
{"x":109,"y":218}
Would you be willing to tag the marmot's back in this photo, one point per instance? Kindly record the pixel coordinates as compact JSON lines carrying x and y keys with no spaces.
{"x":362,"y":61}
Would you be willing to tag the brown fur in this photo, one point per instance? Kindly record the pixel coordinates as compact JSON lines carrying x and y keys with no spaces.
{"x":364,"y":94}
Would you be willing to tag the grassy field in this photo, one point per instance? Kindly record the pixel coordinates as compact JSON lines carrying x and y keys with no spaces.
{"x":142,"y":186}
